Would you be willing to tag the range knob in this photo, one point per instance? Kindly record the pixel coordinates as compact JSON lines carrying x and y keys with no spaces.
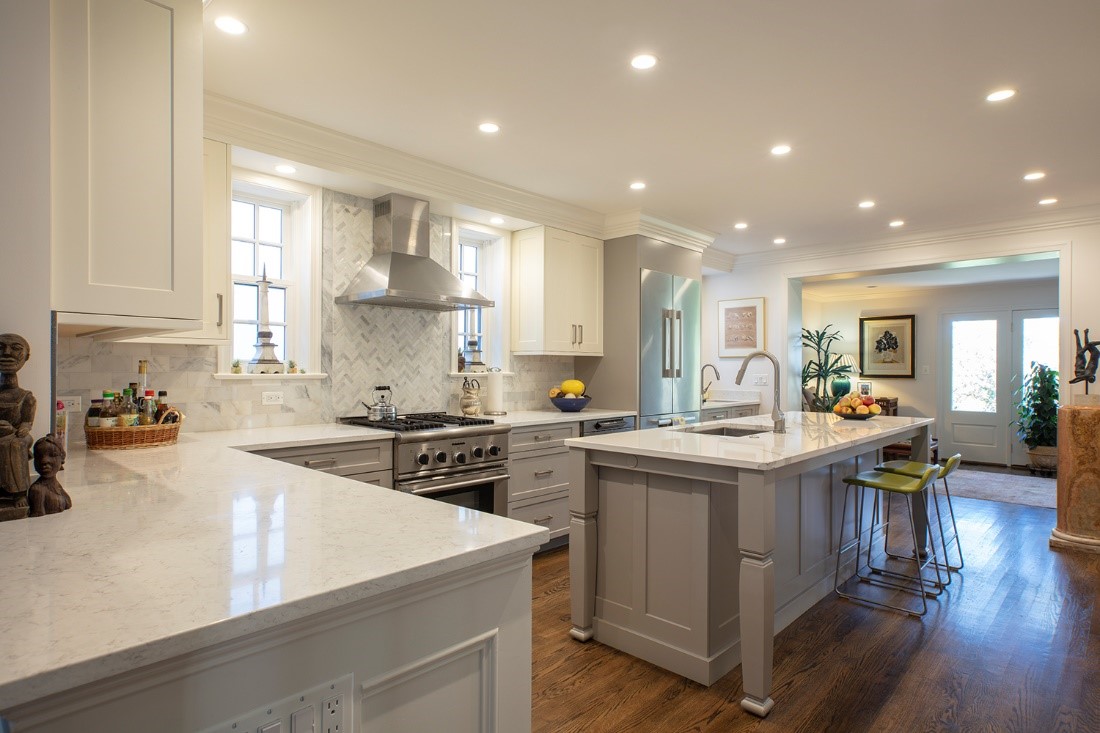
{"x":441,"y":457}
{"x":460,"y":457}
{"x":423,"y":459}
{"x":494,"y":450}
{"x":478,"y":452}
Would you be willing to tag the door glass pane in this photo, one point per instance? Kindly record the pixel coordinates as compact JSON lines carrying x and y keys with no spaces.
{"x":1040,"y":342}
{"x":245,"y":301}
{"x":974,"y":366}
{"x":243,"y":222}
{"x":243,"y":259}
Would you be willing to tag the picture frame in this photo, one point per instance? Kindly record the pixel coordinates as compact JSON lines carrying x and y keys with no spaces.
{"x":886,"y":346}
{"x":740,"y":326}
{"x":864,"y":388}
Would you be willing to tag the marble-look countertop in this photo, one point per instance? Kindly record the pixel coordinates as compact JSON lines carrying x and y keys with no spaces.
{"x":174,"y":549}
{"x":525,"y":418}
{"x":719,"y":404}
{"x":809,"y":434}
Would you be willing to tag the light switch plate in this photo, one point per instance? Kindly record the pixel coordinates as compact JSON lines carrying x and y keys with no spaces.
{"x":72,"y":404}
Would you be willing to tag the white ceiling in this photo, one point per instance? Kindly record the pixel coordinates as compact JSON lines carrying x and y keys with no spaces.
{"x":881,"y":100}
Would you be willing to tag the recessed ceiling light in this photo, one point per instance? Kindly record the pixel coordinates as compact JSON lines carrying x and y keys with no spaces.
{"x":740,"y":225}
{"x":489,"y":127}
{"x":779,"y":240}
{"x":496,"y":220}
{"x":897,"y":223}
{"x":781,"y":149}
{"x":1047,"y":202}
{"x":644,"y":61}
{"x":1000,"y":95}
{"x":637,"y":185}
{"x":868,"y":204}
{"x":230,"y":25}
{"x":284,"y":168}
{"x":1034,"y":176}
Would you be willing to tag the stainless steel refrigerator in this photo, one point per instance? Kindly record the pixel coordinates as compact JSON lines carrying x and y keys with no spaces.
{"x":668,"y":388}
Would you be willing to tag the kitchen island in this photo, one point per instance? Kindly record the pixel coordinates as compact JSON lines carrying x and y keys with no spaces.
{"x":690,"y":550}
{"x":193,"y":583}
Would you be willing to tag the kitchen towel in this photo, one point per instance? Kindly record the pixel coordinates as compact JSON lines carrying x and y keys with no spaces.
{"x":494,"y":384}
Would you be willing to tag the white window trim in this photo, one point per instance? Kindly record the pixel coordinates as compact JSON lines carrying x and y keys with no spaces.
{"x":495,"y":283}
{"x":305,"y":220}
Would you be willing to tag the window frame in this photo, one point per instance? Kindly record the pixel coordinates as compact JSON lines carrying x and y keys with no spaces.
{"x":494,"y":282}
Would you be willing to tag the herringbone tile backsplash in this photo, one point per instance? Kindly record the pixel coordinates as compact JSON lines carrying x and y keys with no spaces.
{"x":361,"y":346}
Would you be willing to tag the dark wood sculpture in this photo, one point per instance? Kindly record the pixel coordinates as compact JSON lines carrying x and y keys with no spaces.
{"x":46,"y":495}
{"x":1087,"y":361}
{"x":17,"y":408}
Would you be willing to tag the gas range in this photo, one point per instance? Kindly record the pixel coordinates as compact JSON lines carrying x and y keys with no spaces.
{"x":435,"y":443}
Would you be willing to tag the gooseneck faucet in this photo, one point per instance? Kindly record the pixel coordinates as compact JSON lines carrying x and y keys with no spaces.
{"x":777,"y":414}
{"x":702,"y":375}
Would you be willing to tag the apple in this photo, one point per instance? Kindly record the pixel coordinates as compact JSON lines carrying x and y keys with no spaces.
{"x":868,"y":400}
{"x":862,"y":410}
{"x":875,"y":408}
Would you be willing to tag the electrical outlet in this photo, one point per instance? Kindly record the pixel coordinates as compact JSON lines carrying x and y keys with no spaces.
{"x":761,"y":380}
{"x":72,"y":404}
{"x":925,"y":369}
{"x":271,"y":398}
{"x":332,"y":715}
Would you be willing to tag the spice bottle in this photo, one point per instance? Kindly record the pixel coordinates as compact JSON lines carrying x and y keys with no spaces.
{"x":162,"y":404}
{"x":91,"y":419}
{"x":108,"y":414}
{"x":148,"y":414}
{"x":128,"y":415}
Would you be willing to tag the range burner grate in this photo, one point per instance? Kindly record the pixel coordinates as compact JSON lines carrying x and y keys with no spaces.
{"x":399,"y":425}
{"x":442,"y":417}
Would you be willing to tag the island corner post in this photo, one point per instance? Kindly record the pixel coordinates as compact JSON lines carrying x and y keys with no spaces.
{"x":757,"y":616}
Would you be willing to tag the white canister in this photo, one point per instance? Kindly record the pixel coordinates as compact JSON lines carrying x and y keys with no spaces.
{"x":494,"y":385}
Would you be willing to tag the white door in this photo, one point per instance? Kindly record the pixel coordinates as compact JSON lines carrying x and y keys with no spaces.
{"x":1034,"y":339}
{"x":976,"y":403}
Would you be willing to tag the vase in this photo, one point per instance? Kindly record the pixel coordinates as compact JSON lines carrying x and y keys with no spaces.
{"x":841,"y":386}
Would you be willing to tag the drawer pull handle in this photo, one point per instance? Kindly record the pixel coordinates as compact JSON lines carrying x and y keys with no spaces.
{"x":541,"y":474}
{"x":543,"y":437}
{"x":315,"y":463}
{"x":542,"y":520}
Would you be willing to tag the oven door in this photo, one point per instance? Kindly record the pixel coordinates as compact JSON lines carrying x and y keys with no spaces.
{"x":485,"y":489}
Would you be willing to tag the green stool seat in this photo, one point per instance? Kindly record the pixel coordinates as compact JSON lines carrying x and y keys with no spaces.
{"x":891,"y":483}
{"x":914,"y":469}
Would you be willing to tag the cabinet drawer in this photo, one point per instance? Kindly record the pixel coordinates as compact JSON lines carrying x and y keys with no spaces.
{"x":543,"y":436}
{"x":745,"y":411}
{"x":538,"y":475}
{"x":722,"y":413}
{"x":552,"y":514}
{"x":379,"y":478}
{"x":342,"y":459}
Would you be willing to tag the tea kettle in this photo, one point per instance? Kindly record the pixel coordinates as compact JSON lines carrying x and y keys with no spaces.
{"x":382,"y":409}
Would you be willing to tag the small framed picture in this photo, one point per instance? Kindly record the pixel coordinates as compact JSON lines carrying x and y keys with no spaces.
{"x":864,"y":388}
{"x":740,"y":326}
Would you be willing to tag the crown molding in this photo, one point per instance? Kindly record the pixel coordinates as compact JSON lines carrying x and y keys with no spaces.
{"x":636,"y":221}
{"x":238,"y":123}
{"x":718,"y":259}
{"x":887,"y":293}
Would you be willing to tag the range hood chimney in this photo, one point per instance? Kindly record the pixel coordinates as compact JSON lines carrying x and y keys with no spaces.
{"x":401,"y":273}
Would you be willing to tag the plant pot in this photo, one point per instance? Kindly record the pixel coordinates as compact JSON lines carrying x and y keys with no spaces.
{"x":1044,"y":458}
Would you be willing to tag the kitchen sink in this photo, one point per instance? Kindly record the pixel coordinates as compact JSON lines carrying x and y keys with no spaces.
{"x":729,"y":431}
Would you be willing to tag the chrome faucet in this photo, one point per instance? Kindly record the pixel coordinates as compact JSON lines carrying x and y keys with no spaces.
{"x":777,"y":414}
{"x":702,"y":374}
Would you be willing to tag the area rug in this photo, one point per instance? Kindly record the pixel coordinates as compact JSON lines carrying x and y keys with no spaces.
{"x":1007,"y":487}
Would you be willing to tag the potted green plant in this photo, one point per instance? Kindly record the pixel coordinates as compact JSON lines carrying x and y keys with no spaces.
{"x":235,"y":367}
{"x":822,"y":368}
{"x":291,"y":367}
{"x":1037,"y":417}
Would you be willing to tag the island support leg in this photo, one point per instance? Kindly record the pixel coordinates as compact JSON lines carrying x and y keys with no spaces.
{"x":583,"y":508}
{"x":756,"y":544}
{"x":921,"y":451}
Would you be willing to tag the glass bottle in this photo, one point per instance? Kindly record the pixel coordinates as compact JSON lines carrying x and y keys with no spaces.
{"x":143,"y":376}
{"x":148,"y":414}
{"x":162,"y":403}
{"x":91,"y":420}
{"x":128,"y":416}
{"x":108,"y":413}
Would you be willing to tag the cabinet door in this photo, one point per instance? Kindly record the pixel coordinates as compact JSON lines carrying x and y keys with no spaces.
{"x":587,"y":263}
{"x":527,"y":291}
{"x":127,"y":136}
{"x":560,"y":274}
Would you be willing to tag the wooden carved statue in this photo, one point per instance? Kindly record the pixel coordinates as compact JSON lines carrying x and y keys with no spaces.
{"x":1088,"y":359}
{"x":17,"y":408}
{"x":46,"y":495}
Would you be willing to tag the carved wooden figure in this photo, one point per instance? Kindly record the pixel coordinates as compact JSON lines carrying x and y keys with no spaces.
{"x":46,"y":495}
{"x":17,"y":408}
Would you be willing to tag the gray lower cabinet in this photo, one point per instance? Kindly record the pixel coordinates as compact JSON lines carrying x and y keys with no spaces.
{"x":538,"y":487}
{"x":370,"y":462}
{"x":725,"y":413}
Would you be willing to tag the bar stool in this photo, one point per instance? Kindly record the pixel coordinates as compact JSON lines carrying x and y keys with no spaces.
{"x":888,"y":483}
{"x":914,"y":469}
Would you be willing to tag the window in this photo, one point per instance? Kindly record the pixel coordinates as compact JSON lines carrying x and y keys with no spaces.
{"x":480,"y":258}
{"x":471,"y":334}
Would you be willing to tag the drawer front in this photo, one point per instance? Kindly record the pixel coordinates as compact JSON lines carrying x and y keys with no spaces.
{"x":745,"y":411}
{"x":538,"y":475}
{"x":552,"y":514}
{"x":545,"y":436}
{"x":343,"y":459}
{"x":721,"y":413}
{"x":379,"y":478}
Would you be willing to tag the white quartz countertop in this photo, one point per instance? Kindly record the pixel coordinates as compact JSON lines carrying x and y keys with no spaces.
{"x":719,"y":404}
{"x":170,"y":550}
{"x":525,"y":418}
{"x":809,"y":434}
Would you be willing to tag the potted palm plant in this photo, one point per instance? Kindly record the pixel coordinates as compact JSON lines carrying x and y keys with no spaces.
{"x":1037,"y":417}
{"x":822,"y":368}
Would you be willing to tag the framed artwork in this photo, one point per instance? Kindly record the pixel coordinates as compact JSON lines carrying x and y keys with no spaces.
{"x":864,"y":388}
{"x":740,"y":326}
{"x":886,"y":346}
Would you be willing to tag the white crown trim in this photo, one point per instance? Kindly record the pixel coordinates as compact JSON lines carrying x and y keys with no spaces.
{"x":636,"y":221}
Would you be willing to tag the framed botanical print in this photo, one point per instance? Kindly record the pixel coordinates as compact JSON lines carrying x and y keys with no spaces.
{"x":886,"y":346}
{"x":740,"y":326}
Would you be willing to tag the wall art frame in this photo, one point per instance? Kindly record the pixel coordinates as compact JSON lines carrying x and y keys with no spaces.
{"x":740,"y":327}
{"x":886,"y":347}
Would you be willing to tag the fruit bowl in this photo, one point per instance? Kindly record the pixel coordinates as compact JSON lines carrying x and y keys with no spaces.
{"x":854,"y":415}
{"x":570,"y":404}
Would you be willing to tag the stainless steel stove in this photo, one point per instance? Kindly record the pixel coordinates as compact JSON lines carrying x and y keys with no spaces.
{"x":460,"y":460}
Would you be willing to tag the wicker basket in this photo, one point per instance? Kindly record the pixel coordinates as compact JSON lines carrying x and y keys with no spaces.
{"x":141,"y":436}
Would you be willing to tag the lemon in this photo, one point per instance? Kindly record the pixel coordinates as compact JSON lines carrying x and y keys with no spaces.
{"x":573,"y":386}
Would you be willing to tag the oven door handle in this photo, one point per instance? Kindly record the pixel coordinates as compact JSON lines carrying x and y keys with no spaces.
{"x":437,"y":486}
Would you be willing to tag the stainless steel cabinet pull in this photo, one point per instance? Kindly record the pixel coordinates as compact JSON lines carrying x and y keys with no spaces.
{"x":541,"y":474}
{"x":574,"y":333}
{"x":541,"y":520}
{"x":314,"y":463}
{"x":221,"y":299}
{"x":543,"y":437}
{"x":581,"y":327}
{"x":664,"y":422}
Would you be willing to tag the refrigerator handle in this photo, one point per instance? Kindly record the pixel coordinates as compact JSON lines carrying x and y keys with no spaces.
{"x":666,"y":324}
{"x":679,"y":343}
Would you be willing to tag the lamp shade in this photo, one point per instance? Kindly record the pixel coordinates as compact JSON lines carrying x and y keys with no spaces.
{"x":843,"y":384}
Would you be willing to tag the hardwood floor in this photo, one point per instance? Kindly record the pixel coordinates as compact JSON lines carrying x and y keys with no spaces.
{"x":1012,"y":645}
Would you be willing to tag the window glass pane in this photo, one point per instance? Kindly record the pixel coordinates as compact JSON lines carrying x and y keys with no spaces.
{"x":470,"y":280}
{"x":272,"y":259}
{"x":244,"y":341}
{"x":242,"y":218}
{"x":974,"y":366}
{"x":243,"y":259}
{"x":278,"y":337}
{"x":467,"y":258}
{"x":276,"y":305}
{"x":245,"y":302}
{"x":1040,"y":342}
{"x":271,"y":224}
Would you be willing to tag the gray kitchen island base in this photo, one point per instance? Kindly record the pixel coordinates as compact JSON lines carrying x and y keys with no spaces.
{"x":677,"y":562}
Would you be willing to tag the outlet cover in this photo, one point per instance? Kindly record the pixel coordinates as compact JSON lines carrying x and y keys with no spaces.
{"x":326,"y":707}
{"x":271,"y":398}
{"x":72,"y":404}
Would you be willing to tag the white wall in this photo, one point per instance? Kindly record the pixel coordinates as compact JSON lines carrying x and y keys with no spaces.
{"x":25,"y":191}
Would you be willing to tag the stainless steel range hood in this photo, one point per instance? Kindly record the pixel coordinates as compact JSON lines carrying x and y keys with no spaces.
{"x":402,"y":273}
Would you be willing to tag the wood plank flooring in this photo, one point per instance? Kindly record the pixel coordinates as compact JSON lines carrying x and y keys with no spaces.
{"x":1012,"y":645}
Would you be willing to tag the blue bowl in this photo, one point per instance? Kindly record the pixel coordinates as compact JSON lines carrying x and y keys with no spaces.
{"x":570,"y":404}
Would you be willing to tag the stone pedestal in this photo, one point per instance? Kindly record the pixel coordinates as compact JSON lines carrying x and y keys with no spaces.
{"x":1078,"y":525}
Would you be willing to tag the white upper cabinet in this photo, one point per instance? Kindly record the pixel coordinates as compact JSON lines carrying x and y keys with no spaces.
{"x":127,"y":169}
{"x":557,"y":293}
